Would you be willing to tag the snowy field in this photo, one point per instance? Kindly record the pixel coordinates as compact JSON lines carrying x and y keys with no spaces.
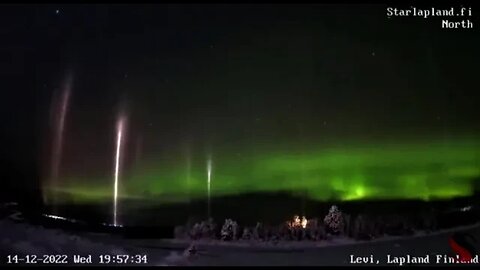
{"x":20,"y":238}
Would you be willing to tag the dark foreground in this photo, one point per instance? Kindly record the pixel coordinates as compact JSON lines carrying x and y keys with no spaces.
{"x":23,"y":239}
{"x":23,"y":235}
{"x":335,"y":255}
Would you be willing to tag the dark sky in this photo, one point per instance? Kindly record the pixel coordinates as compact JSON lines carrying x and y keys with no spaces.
{"x":229,"y":74}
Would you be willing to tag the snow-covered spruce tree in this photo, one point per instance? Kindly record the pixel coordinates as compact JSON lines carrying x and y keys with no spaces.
{"x":258,"y":232}
{"x":247,"y":234}
{"x":208,"y":229}
{"x":226,"y":232}
{"x":334,"y":219}
{"x":229,"y":230}
{"x":195,"y":232}
{"x":236,"y":231}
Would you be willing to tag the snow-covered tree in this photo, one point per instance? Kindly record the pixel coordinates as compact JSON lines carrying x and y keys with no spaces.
{"x":258,"y":232}
{"x":229,"y":230}
{"x":334,"y":219}
{"x":195,"y":232}
{"x":247,"y":234}
{"x":204,"y":229}
{"x":208,"y":229}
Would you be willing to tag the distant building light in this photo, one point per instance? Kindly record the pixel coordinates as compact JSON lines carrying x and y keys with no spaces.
{"x":112,"y":225}
{"x":55,"y":217}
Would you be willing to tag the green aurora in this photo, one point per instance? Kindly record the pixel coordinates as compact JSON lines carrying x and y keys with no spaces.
{"x":422,"y":170}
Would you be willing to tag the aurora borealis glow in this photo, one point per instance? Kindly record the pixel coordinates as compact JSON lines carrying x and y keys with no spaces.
{"x":423,"y":170}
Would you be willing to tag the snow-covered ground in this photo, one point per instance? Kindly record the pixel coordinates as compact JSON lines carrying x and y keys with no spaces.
{"x":20,"y":238}
{"x":306,"y":253}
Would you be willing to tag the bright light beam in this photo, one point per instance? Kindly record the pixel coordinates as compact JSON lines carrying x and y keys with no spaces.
{"x":120,"y":131}
{"x":60,"y":126}
{"x":209,"y":180}
{"x":59,"y":114}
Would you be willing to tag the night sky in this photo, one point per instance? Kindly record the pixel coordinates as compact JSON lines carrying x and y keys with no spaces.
{"x":337,"y":101}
